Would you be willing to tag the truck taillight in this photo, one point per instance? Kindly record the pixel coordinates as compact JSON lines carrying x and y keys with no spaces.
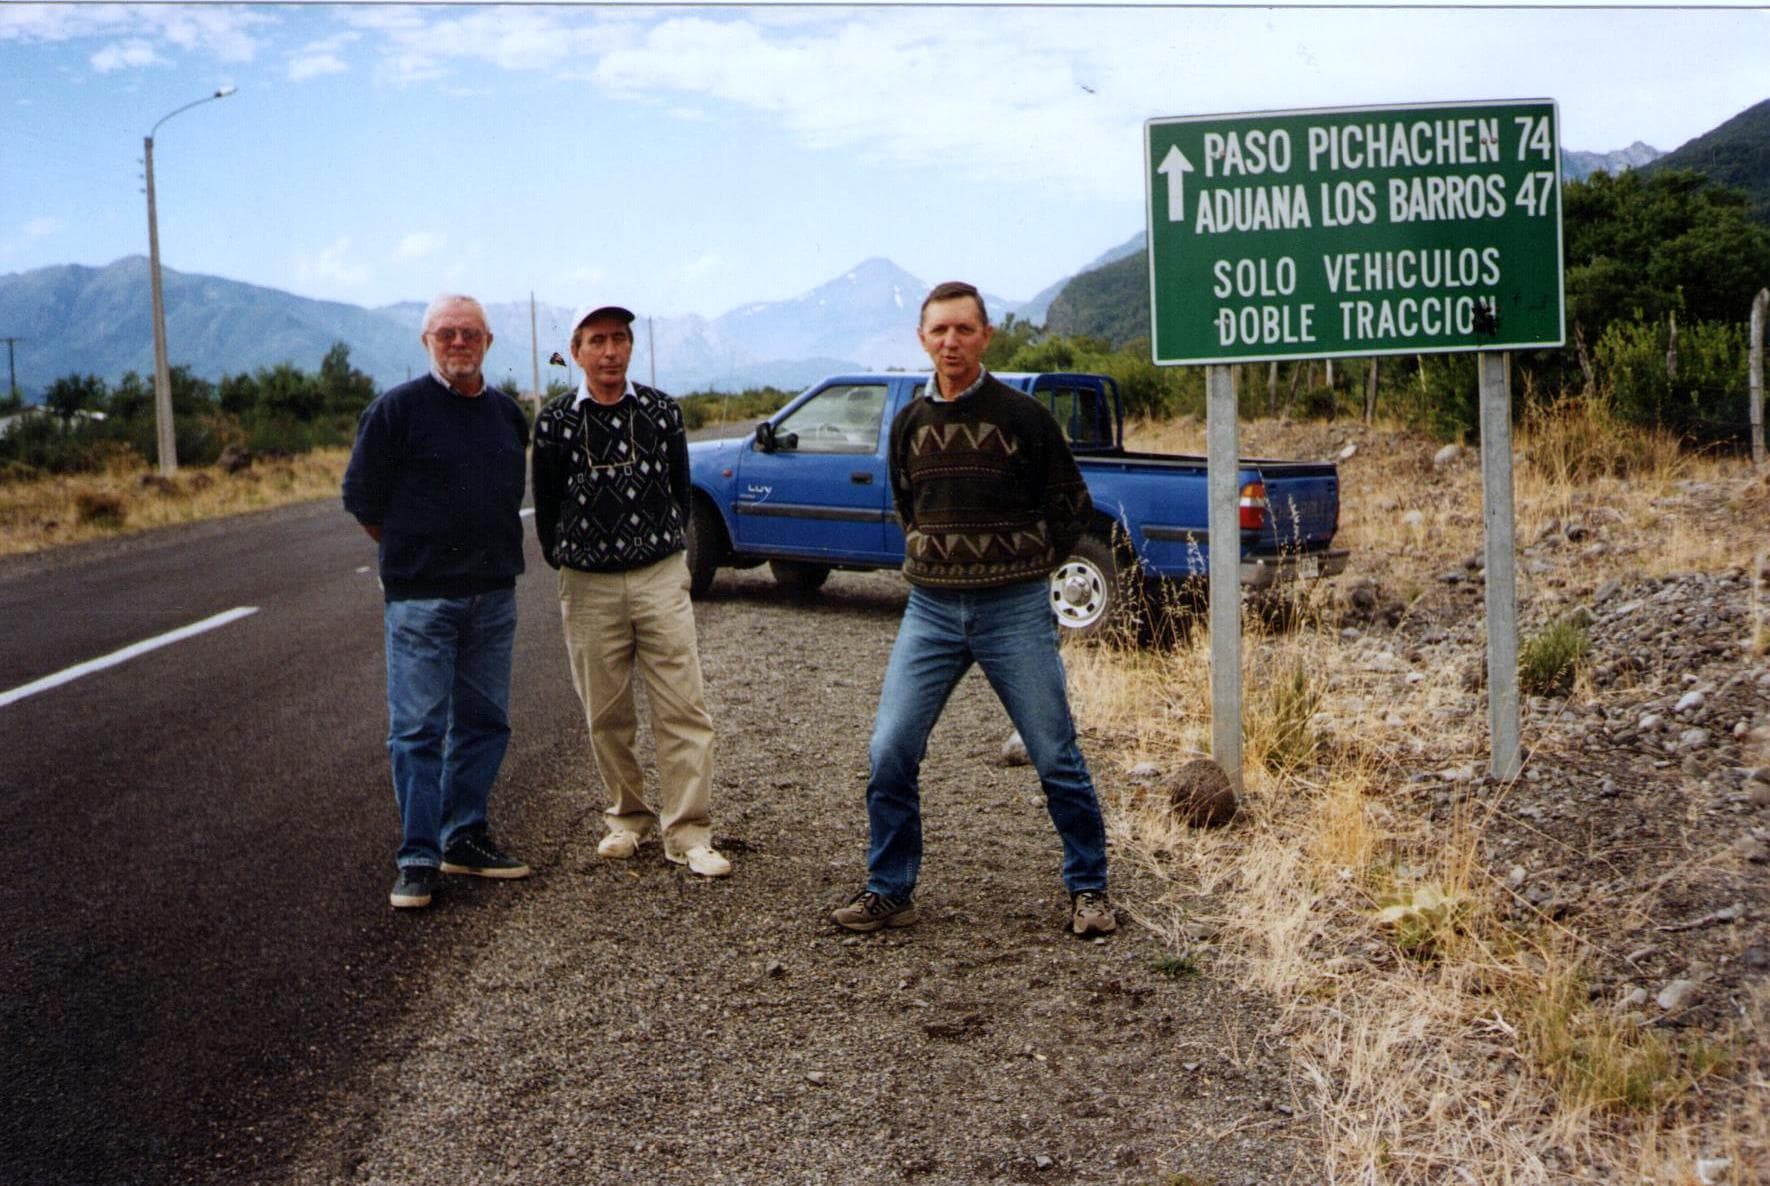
{"x":1253,"y":506}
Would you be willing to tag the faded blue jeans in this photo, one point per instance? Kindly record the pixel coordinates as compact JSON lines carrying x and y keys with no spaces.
{"x":448,"y":693}
{"x":1011,"y":634}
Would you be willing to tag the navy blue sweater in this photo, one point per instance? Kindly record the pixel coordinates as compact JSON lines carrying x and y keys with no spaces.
{"x":442,"y":475}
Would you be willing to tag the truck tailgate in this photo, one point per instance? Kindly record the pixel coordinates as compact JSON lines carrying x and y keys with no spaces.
{"x":1302,"y":503}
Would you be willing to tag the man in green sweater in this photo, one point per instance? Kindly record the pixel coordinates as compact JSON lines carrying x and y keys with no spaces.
{"x":991,"y":502}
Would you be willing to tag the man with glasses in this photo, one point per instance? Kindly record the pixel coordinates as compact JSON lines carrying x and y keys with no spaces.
{"x":436,"y":480}
{"x":611,"y":507}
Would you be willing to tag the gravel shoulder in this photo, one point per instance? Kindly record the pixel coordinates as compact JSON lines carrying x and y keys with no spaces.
{"x":623,"y":1022}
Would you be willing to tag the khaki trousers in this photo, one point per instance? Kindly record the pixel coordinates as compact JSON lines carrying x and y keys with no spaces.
{"x":615,"y":621}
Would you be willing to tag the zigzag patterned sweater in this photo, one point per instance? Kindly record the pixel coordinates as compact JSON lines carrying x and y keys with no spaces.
{"x":987,"y":490}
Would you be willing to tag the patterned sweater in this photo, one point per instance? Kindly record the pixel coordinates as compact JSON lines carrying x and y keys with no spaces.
{"x":987,"y":490}
{"x":611,"y":482}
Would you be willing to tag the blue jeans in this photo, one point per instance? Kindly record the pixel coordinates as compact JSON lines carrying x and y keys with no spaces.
{"x":448,"y":691}
{"x":1011,"y":634}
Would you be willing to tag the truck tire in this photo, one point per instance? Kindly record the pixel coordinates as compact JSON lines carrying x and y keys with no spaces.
{"x":797,"y":576}
{"x":706,"y":547}
{"x":1090,"y":593}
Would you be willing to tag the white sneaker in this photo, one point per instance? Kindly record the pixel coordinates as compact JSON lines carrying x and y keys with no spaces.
{"x":618,"y":845}
{"x":703,"y":859}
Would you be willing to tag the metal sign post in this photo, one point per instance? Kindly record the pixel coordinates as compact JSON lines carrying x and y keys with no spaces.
{"x":1222,"y":457}
{"x":1502,"y":576}
{"x":1345,"y":233}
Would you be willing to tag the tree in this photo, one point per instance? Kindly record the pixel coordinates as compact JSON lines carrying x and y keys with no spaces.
{"x":131,"y":397}
{"x":342,"y":387}
{"x":237,"y":394}
{"x":1670,"y":241}
{"x":191,"y":393}
{"x":285,"y":391}
{"x":1009,"y":337}
{"x":70,"y":395}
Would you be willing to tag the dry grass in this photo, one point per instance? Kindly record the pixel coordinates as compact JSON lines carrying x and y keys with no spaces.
{"x":1439,"y":1037}
{"x":49,"y":512}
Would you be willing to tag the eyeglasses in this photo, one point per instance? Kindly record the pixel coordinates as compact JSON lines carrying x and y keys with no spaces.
{"x":471,"y":337}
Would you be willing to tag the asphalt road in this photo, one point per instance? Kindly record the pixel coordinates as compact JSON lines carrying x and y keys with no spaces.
{"x":195,"y":941}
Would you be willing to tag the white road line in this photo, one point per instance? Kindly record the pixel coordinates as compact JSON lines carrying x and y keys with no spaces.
{"x":528,"y":512}
{"x":71,"y":674}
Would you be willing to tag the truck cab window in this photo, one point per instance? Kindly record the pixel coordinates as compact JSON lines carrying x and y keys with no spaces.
{"x":841,"y":419}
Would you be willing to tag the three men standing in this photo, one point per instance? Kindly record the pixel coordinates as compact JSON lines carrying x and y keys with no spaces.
{"x":612,"y":495}
{"x":991,"y":502}
{"x":436,"y":479}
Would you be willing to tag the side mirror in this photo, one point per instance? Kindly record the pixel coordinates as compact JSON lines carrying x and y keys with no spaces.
{"x":765,"y":437}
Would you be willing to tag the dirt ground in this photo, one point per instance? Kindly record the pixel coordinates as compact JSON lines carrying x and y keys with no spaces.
{"x":627,"y":1023}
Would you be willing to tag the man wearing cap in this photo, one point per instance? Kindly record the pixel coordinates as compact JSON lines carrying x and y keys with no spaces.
{"x":436,"y":480}
{"x":611,"y":506}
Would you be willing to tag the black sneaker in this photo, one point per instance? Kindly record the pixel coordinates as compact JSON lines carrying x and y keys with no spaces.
{"x":413,"y":887}
{"x":867,"y":911}
{"x":1090,"y":913}
{"x":474,"y":853}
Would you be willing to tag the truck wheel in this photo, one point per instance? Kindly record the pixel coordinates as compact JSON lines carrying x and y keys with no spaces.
{"x":1088,"y":592}
{"x":796,"y":576}
{"x":706,"y":543}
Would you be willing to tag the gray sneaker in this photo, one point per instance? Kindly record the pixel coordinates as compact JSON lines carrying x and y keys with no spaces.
{"x":1090,"y":913}
{"x":474,"y":854}
{"x":413,"y":888}
{"x":867,"y":911}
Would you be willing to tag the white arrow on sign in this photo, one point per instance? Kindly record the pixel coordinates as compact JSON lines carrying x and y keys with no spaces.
{"x":1176,"y":166}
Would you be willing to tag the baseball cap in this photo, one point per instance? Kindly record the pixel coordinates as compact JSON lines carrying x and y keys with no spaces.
{"x":588,"y":311}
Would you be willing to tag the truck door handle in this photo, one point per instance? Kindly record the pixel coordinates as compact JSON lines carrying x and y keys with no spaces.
{"x":861,"y":477}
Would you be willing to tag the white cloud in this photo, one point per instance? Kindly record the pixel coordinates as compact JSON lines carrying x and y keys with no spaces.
{"x":125,"y":55}
{"x":141,"y":35}
{"x":332,"y":264}
{"x":306,"y":66}
{"x":419,"y":46}
{"x":419,"y":244}
{"x":41,"y":228}
{"x":321,"y":57}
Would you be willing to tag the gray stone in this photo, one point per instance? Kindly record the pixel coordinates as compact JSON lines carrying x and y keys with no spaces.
{"x":1014,"y":751}
{"x":1446,"y":455}
{"x":1676,"y":995}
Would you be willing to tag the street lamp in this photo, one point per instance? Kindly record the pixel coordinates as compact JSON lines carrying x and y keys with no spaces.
{"x":168,"y":440}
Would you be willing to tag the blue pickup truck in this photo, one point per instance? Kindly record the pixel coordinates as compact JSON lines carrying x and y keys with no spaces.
{"x":808,"y":493}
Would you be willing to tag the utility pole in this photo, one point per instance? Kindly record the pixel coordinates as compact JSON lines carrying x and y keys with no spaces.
{"x":167,"y":437}
{"x":11,"y":371}
{"x":535,"y":348}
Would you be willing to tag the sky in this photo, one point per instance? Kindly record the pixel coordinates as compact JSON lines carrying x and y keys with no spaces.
{"x":685,"y":160}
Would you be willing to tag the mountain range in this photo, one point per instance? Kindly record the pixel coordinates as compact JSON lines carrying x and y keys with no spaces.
{"x":70,"y":318}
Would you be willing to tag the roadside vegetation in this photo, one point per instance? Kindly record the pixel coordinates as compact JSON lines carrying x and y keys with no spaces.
{"x":1443,"y":1027}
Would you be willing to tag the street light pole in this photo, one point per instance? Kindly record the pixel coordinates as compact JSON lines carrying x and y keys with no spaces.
{"x":168,"y":439}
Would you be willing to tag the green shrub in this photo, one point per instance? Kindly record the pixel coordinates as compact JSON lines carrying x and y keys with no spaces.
{"x":711,"y":407}
{"x":1705,"y":401}
{"x":1548,"y":660}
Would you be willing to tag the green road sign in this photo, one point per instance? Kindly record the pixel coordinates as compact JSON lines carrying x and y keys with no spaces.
{"x":1354,"y":231}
